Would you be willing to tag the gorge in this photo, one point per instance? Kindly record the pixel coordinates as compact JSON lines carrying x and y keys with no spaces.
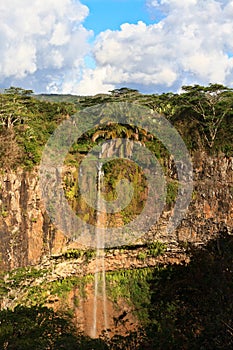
{"x":116,"y":296}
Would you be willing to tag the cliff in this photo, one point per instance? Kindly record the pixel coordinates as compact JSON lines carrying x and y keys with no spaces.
{"x":27,"y":234}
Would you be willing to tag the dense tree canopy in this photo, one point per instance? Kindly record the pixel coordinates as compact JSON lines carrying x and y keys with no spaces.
{"x":209,"y":106}
{"x":202,"y":115}
{"x":25,"y":125}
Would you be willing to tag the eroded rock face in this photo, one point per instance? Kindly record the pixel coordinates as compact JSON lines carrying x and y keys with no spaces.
{"x":211,"y":208}
{"x":26,"y":232}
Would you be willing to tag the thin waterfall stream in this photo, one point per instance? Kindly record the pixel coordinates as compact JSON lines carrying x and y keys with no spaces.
{"x":100,"y":259}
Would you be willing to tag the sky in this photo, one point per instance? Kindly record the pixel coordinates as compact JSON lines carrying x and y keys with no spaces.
{"x":86,"y":47}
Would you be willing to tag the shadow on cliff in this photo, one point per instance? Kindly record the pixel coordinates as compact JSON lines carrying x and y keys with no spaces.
{"x":191,"y":308}
{"x":40,"y":328}
{"x":192,"y":305}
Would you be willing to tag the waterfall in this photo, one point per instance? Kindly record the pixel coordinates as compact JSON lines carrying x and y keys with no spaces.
{"x":100,"y":258}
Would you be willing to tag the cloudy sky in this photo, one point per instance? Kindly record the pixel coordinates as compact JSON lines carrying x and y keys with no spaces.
{"x":90,"y":46}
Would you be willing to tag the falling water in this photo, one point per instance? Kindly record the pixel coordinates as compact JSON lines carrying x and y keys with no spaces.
{"x":100,"y":262}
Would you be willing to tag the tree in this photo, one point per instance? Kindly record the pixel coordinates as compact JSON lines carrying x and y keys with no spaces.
{"x":36,"y":327}
{"x":18,"y":91}
{"x":124,"y":92}
{"x":162,"y":104}
{"x":10,"y":151}
{"x":207,"y":105}
{"x":14,"y":105}
{"x":130,"y":132}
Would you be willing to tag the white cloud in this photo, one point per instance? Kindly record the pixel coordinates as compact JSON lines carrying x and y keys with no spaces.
{"x":191,"y":44}
{"x":44,"y":45}
{"x":42,"y":42}
{"x":95,"y":81}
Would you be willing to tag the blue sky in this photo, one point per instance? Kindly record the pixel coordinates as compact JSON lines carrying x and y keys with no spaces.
{"x":87,"y":47}
{"x":105,"y":14}
{"x":110,"y":14}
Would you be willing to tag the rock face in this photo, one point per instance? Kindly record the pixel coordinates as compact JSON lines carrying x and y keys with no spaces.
{"x":27,"y":234}
{"x":211,"y":208}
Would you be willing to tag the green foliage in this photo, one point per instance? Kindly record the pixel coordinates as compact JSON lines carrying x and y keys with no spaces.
{"x":87,"y":254}
{"x":156,"y":248}
{"x":172,"y":191}
{"x":17,"y":276}
{"x":142,"y":256}
{"x":73,"y":254}
{"x":4,"y":211}
{"x":124,"y":91}
{"x":208,"y":108}
{"x":29,"y":123}
{"x":202,"y":115}
{"x":61,"y":287}
{"x":153,"y":249}
{"x":14,"y":107}
{"x":90,"y":254}
{"x":133,"y":286}
{"x":4,"y":289}
{"x":36,"y":328}
{"x":162,"y":104}
{"x":41,"y":328}
{"x":123,"y":169}
{"x":157,"y":149}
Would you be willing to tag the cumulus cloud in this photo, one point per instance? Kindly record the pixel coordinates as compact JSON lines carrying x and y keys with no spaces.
{"x":43,"y":43}
{"x":44,"y":46}
{"x":192,"y":43}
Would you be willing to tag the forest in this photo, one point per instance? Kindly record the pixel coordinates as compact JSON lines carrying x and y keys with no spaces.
{"x":202,"y":115}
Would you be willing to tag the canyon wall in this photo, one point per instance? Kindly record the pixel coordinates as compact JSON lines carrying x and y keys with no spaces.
{"x":27,"y":234}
